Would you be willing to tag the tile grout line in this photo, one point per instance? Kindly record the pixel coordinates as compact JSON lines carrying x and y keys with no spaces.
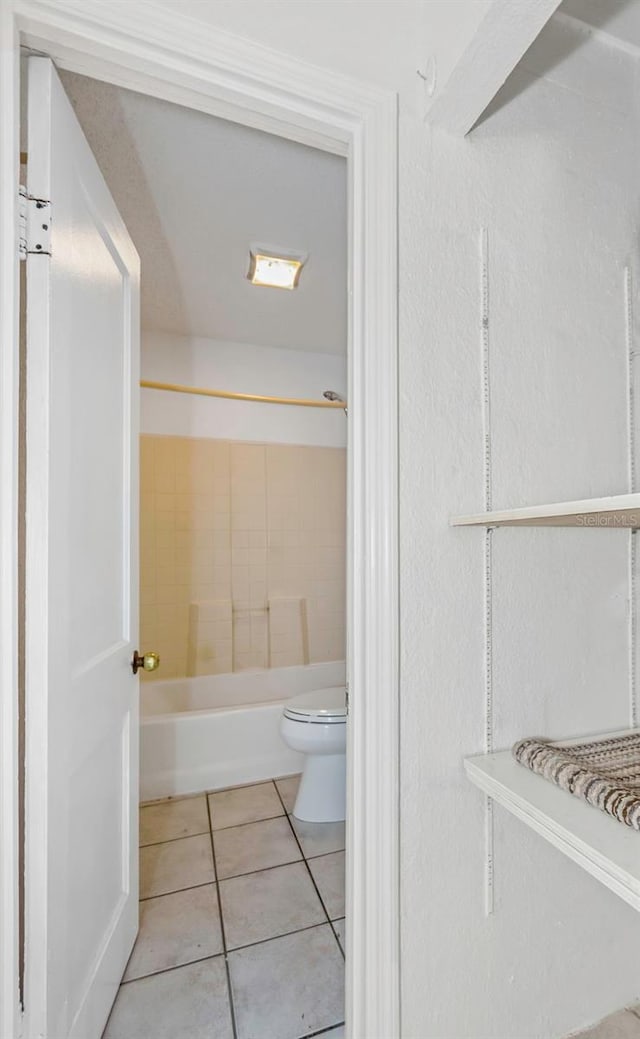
{"x":176,"y":891}
{"x":252,"y":822}
{"x":203,"y":833}
{"x":169,"y":970}
{"x":239,"y":948}
{"x":172,"y":840}
{"x":333,"y":927}
{"x":217,"y":880}
{"x":277,"y":937}
{"x":304,"y":859}
{"x":232,"y":1009}
{"x":176,"y":798}
{"x":234,"y":876}
{"x":324,"y":1031}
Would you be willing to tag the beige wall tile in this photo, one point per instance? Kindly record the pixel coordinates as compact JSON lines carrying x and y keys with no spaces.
{"x":245,"y":523}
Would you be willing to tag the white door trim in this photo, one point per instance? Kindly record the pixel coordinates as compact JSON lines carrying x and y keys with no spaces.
{"x":9,"y":366}
{"x":162,"y":52}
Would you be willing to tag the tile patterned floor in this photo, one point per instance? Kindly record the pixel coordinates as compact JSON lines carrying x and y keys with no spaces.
{"x":241,"y":921}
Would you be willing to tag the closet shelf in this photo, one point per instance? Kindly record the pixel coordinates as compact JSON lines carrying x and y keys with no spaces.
{"x":605,"y":848}
{"x":620,"y":510}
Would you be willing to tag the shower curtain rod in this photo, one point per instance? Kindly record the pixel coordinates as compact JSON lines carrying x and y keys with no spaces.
{"x":228,"y":395}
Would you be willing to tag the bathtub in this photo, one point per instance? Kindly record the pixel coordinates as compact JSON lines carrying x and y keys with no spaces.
{"x":220,"y":730}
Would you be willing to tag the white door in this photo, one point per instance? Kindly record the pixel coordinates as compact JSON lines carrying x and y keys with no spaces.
{"x":81,"y":580}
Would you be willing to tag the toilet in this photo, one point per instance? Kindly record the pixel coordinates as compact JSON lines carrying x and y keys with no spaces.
{"x":316,"y":725}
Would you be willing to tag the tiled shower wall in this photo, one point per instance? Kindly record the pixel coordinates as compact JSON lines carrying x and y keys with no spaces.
{"x":242,"y":554}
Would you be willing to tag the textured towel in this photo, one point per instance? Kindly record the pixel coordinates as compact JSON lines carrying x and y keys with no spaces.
{"x":605,"y":772}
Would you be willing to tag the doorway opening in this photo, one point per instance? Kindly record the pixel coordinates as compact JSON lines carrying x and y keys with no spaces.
{"x":242,"y":567}
{"x":308,"y":105}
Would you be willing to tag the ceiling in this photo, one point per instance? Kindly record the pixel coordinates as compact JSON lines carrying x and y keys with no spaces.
{"x":195,"y":191}
{"x":619,"y":18}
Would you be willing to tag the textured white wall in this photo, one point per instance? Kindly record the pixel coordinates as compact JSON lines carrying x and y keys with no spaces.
{"x":553,"y":175}
{"x":240,"y":368}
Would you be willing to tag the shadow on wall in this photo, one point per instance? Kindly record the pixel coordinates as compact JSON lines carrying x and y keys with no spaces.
{"x":242,"y":554}
{"x":555,"y":44}
{"x":99,"y":108}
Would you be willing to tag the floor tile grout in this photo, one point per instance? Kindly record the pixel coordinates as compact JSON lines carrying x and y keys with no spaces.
{"x":205,"y":833}
{"x":175,"y":966}
{"x":276,"y":937}
{"x":232,"y":1009}
{"x":326,"y":854}
{"x":335,"y":934}
{"x":317,"y":890}
{"x":252,"y":822}
{"x":306,"y":862}
{"x":233,"y":876}
{"x":212,"y":829}
{"x":324,"y":1031}
{"x":238,"y":786}
{"x":212,"y":883}
{"x":234,"y":826}
{"x":239,"y":876}
{"x":218,"y":881}
{"x":174,"y":798}
{"x":177,"y":891}
{"x":172,"y":840}
{"x":250,"y":873}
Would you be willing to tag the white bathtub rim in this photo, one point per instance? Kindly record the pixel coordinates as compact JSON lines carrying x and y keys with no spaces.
{"x":177,"y":716}
{"x":278,"y":683}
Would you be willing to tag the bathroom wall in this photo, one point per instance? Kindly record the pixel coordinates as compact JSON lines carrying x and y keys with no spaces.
{"x":243,"y":368}
{"x":243,"y":510}
{"x":242,"y":554}
{"x":552,"y":173}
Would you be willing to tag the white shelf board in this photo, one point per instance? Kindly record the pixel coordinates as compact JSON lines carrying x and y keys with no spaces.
{"x":607,"y":849}
{"x":620,"y":510}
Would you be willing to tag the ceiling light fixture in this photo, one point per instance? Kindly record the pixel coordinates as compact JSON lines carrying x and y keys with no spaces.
{"x":268,"y":268}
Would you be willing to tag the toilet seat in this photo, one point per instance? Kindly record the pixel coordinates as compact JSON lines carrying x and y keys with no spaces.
{"x":322,"y":706}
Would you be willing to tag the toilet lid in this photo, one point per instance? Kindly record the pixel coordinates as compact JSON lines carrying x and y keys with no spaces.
{"x":322,"y":705}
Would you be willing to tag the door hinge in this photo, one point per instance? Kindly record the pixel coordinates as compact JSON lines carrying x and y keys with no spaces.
{"x":346,"y":697}
{"x":35,"y":225}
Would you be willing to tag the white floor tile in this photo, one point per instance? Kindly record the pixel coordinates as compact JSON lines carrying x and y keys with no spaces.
{"x":255,"y":846}
{"x":246,"y":804}
{"x":288,"y":987}
{"x":170,"y":819}
{"x":268,"y":904}
{"x":175,"y":865}
{"x":328,"y":873}
{"x":339,"y":928}
{"x":176,"y":929}
{"x":190,"y":1002}
{"x":319,"y":838}
{"x":288,"y":788}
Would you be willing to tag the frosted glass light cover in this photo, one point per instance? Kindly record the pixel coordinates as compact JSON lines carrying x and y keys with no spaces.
{"x":278,"y":272}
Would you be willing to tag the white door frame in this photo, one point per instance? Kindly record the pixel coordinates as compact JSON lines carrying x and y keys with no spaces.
{"x":162,"y":52}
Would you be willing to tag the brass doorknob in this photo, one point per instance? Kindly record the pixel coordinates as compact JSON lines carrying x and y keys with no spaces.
{"x":146,"y":661}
